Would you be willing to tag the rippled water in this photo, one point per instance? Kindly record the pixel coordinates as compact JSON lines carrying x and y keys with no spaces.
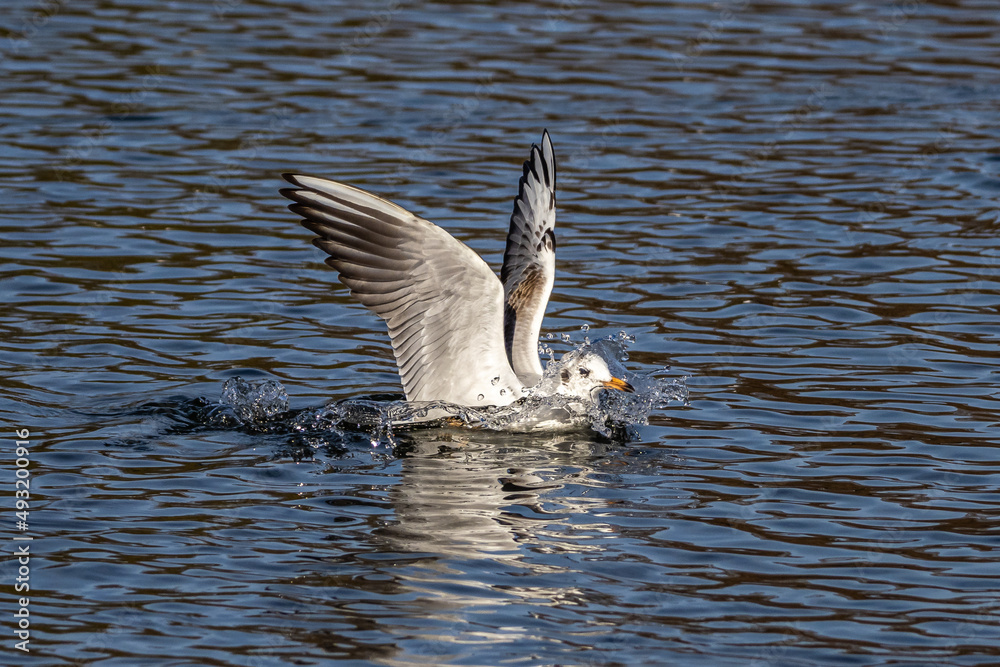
{"x":793,"y":204}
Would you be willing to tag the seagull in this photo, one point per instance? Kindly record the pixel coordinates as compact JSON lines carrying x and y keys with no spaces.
{"x":459,"y":335}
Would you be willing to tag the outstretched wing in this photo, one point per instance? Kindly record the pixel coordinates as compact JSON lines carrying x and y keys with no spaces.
{"x":529,"y":262}
{"x":442,"y":303}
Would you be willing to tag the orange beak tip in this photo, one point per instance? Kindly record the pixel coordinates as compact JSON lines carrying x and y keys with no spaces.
{"x":620,"y":385}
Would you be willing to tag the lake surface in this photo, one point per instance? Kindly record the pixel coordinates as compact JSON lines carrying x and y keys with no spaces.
{"x":792,"y":204}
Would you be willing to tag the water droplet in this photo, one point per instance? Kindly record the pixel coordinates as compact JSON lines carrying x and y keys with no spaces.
{"x":480,"y":397}
{"x":549,"y":336}
{"x":503,"y":391}
{"x":566,"y":337}
{"x":496,"y":380}
{"x":585,"y":328}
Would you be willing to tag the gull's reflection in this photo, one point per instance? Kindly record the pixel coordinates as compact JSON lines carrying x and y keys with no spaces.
{"x":485,"y":495}
{"x":479,"y":522}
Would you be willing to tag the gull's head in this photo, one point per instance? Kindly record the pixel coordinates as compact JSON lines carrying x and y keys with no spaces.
{"x":583,"y":375}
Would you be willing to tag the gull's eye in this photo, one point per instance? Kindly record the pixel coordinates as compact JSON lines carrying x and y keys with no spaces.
{"x":585,"y":372}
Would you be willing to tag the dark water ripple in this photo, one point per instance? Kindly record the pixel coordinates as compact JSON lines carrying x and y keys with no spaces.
{"x":794,"y":204}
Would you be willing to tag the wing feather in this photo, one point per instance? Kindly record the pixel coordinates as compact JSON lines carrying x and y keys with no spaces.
{"x":442,"y":303}
{"x":529,"y":261}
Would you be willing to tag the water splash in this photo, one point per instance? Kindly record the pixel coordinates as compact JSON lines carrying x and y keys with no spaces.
{"x":254,"y":402}
{"x":614,"y":414}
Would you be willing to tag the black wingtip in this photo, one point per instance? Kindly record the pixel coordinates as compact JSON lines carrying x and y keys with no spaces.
{"x":538,"y":156}
{"x":290,"y":177}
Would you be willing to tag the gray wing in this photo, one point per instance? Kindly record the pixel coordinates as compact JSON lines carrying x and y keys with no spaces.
{"x":529,"y":262}
{"x":442,"y":303}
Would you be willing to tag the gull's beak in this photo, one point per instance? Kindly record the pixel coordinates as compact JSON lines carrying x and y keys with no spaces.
{"x":620,"y":385}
